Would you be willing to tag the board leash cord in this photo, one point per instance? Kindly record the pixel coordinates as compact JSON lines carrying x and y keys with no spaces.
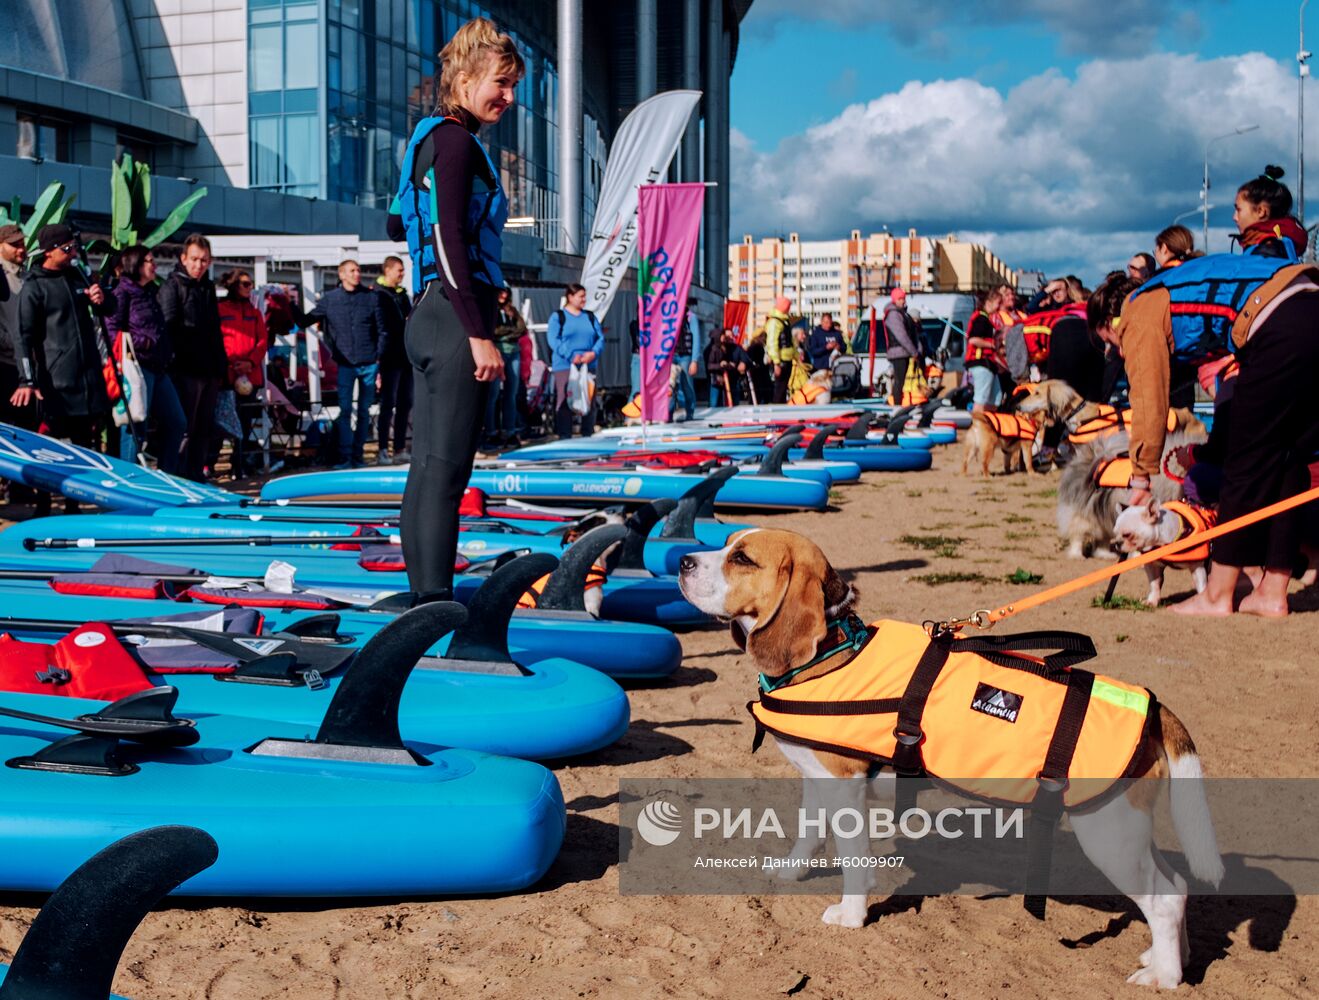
{"x":987,"y":618}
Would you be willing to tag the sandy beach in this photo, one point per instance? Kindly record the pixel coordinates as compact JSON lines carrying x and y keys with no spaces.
{"x":1240,"y":684}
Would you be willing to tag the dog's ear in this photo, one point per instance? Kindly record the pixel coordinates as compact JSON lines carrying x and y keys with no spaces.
{"x":1151,"y":513}
{"x":787,"y":634}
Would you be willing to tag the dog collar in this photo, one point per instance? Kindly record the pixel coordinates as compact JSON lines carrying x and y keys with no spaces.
{"x":855,"y":635}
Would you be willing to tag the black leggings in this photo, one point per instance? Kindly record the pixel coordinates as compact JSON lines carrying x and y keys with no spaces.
{"x":1272,"y":432}
{"x":900,"y":366}
{"x":448,"y":408}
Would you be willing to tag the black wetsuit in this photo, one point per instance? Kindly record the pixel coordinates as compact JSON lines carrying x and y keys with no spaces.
{"x":449,"y":404}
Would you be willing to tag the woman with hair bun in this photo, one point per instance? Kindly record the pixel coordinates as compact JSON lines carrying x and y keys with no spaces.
{"x":451,"y":211}
{"x":1261,"y":306}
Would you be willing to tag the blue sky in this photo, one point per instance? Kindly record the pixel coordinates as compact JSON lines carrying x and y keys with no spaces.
{"x":1063,"y":132}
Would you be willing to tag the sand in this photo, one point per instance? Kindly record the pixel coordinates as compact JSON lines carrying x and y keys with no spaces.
{"x":1247,"y":690}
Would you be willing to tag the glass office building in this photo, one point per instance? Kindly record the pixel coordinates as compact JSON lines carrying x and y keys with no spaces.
{"x":295,"y":113}
{"x":336,"y":126}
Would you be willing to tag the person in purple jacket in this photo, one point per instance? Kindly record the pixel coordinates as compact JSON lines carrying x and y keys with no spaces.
{"x":138,"y":318}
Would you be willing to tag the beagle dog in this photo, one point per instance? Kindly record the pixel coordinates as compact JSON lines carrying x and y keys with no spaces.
{"x":779,"y":594}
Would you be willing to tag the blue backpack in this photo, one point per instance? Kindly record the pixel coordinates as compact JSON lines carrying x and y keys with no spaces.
{"x":1207,"y":294}
{"x":483,"y":226}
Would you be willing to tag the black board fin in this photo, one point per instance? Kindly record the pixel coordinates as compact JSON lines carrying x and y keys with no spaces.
{"x":696,"y":502}
{"x":77,"y":939}
{"x":632,"y":554}
{"x":484,"y":636}
{"x":815,"y":450}
{"x":896,"y":422}
{"x":772,"y":463}
{"x":860,"y":428}
{"x":566,"y":588}
{"x":364,"y":709}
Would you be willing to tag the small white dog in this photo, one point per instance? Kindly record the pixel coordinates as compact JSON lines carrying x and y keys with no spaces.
{"x":1146,"y":527}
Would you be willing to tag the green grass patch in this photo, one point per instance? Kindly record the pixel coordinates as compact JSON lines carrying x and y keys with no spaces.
{"x":940,"y":545}
{"x":939,"y":579}
{"x":1017,"y":536}
{"x":1121,"y":637}
{"x":1023,"y":576}
{"x":1120,"y":603}
{"x":982,"y":524}
{"x":915,"y":493}
{"x":1017,"y":519}
{"x":1047,"y":493}
{"x":835,"y":494}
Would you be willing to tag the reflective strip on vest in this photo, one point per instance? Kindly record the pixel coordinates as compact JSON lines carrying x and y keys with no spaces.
{"x":987,"y":727}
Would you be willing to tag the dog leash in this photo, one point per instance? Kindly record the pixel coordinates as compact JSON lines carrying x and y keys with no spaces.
{"x":986,"y":618}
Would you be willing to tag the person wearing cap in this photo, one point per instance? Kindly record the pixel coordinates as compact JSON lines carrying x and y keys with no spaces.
{"x":780,"y":349}
{"x":13,"y":253}
{"x":59,"y":362}
{"x":903,"y":336}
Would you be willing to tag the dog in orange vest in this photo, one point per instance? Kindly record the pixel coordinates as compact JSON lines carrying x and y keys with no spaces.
{"x":784,"y":603}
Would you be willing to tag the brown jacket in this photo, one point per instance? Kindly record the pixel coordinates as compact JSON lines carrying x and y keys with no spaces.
{"x":1145,"y":335}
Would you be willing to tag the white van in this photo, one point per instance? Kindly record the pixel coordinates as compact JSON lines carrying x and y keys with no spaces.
{"x":943,"y":318}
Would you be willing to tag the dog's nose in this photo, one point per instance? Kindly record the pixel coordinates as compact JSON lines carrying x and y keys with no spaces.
{"x":686,"y":565}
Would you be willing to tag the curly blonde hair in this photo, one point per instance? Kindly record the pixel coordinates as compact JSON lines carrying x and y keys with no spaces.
{"x":466,"y":53}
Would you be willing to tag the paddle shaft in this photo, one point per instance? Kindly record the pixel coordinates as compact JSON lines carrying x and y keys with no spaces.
{"x":36,"y":574}
{"x":32,"y":544}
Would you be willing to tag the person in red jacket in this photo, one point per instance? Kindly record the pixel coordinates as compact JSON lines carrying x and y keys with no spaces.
{"x":245,"y":343}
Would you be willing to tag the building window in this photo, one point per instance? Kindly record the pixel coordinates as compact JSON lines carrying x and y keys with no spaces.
{"x":41,"y":138}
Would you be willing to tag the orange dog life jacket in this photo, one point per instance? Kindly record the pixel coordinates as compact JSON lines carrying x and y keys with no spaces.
{"x":807,"y":394}
{"x":595,"y":579}
{"x":1194,"y":521}
{"x":1113,"y":473}
{"x":1109,"y":420}
{"x":1010,"y":425}
{"x":976,"y":714}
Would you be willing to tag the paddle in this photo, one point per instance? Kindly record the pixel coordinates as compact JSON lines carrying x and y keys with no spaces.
{"x":244,"y":541}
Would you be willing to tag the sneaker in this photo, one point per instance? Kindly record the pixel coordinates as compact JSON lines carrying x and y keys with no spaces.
{"x":341,"y":466}
{"x":383,"y":457}
{"x":402,"y":457}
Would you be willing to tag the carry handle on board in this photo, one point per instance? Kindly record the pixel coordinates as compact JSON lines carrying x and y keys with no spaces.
{"x":639,"y":525}
{"x":145,"y":717}
{"x":77,"y":939}
{"x":772,"y":463}
{"x":696,"y":502}
{"x":565,"y":590}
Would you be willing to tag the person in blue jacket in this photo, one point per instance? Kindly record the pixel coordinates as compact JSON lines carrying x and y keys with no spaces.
{"x":824,"y":340}
{"x":354,"y":328}
{"x":576,"y":338}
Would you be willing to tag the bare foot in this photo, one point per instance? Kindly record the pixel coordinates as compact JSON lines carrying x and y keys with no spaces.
{"x":1253,"y":604}
{"x":1201,"y":604}
{"x":1255,"y":574}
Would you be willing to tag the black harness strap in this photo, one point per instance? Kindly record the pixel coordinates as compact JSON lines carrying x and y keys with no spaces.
{"x":875,"y":706}
{"x":1047,"y":807}
{"x":908,"y":763}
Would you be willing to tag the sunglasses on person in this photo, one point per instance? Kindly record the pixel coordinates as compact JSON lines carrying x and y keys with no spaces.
{"x":67,"y":247}
{"x":244,"y":282}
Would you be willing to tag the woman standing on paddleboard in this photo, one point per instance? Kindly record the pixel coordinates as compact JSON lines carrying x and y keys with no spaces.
{"x":451,"y":210}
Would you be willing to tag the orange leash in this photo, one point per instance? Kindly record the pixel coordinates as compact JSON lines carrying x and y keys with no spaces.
{"x":987,"y":619}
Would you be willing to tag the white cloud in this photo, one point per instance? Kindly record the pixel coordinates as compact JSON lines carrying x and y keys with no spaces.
{"x":1054,"y":162}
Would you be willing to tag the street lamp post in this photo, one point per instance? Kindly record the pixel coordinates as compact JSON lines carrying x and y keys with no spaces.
{"x":1204,"y":191}
{"x":1303,"y":66}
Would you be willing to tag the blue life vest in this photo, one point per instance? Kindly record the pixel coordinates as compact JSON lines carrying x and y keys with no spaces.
{"x":483,"y":224}
{"x":1207,"y":294}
